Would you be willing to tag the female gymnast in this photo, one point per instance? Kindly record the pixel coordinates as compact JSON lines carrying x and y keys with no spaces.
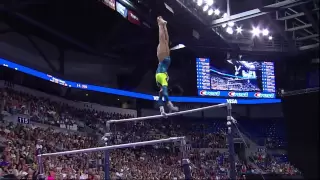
{"x":162,"y":78}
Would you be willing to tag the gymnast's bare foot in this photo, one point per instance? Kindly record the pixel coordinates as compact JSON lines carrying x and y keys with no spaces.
{"x":162,"y":112}
{"x":161,"y":20}
{"x":172,"y":108}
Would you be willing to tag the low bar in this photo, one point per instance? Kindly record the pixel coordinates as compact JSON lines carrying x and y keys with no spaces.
{"x":169,"y":114}
{"x":144,"y":143}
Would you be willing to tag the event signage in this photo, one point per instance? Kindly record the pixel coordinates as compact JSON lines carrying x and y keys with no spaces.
{"x":23,"y":120}
{"x":133,"y":18}
{"x":232,"y":101}
{"x":233,"y":94}
{"x":71,"y":84}
{"x":121,"y":9}
{"x":110,"y":3}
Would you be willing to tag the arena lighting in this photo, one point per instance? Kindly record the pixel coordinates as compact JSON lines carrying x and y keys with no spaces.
{"x":179,"y":46}
{"x":200,"y":2}
{"x":229,"y":30}
{"x":230,"y":24}
{"x":216,"y":11}
{"x":225,"y":15}
{"x":209,"y":2}
{"x":270,"y":38}
{"x":210,"y":12}
{"x":205,"y":8}
{"x":255,"y":31}
{"x":224,"y":25}
{"x":239,"y":30}
{"x":265,"y":32}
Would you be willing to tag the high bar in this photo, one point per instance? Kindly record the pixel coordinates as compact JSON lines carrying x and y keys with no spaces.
{"x":144,"y":143}
{"x":169,"y":114}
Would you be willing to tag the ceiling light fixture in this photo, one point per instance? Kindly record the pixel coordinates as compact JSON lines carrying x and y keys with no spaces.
{"x":239,"y":30}
{"x":265,"y":32}
{"x":205,"y":8}
{"x":210,"y":2}
{"x":229,"y":30}
{"x":217,"y":12}
{"x":255,"y":31}
{"x":231,"y":24}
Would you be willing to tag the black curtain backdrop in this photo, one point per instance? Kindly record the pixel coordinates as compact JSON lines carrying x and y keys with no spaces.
{"x":302,"y":115}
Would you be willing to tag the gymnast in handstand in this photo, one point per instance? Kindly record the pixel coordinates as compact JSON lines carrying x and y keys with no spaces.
{"x":162,"y":78}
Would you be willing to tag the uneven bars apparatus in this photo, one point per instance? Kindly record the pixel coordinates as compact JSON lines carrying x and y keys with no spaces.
{"x":169,"y":114}
{"x":185,"y":160}
{"x":107,"y":148}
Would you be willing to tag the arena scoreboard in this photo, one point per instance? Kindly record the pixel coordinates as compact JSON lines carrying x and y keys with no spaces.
{"x":268,"y":77}
{"x":235,"y":79}
{"x":203,"y":73}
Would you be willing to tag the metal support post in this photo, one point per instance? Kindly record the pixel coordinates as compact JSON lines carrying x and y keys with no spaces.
{"x":316,"y":7}
{"x":230,"y":134}
{"x":299,"y":27}
{"x":228,"y":8}
{"x":40,"y":165}
{"x":185,"y":161}
{"x":299,"y":20}
{"x":107,"y":164}
{"x":106,"y":138}
{"x":257,"y":12}
{"x":313,"y":21}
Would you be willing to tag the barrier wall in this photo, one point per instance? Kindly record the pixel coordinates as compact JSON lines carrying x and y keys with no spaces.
{"x":252,"y":111}
{"x":15,"y":119}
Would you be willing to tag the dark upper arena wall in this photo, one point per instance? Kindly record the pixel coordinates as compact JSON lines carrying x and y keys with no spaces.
{"x":79,"y":66}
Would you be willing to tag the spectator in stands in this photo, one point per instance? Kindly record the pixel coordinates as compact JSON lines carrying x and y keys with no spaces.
{"x":22,"y":142}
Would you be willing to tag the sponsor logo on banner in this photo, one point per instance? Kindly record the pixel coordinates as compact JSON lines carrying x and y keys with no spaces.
{"x":232,"y":101}
{"x":156,"y":98}
{"x":261,"y":95}
{"x":202,"y":59}
{"x":110,"y":3}
{"x":121,"y":9}
{"x":209,"y":93}
{"x":238,"y":94}
{"x":133,"y":18}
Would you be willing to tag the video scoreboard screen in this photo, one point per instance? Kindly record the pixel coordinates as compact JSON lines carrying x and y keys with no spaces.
{"x":235,"y":79}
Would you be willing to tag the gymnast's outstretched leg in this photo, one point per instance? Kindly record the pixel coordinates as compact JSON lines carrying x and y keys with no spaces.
{"x":163,"y":95}
{"x":163,"y":53}
{"x":161,"y":103}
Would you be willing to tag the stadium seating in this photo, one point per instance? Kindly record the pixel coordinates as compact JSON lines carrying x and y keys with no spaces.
{"x":20,"y":141}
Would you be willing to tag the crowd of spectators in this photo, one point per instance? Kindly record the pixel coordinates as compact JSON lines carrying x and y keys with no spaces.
{"x":233,"y":84}
{"x":21,"y":143}
{"x":46,"y":111}
{"x":273,"y":164}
